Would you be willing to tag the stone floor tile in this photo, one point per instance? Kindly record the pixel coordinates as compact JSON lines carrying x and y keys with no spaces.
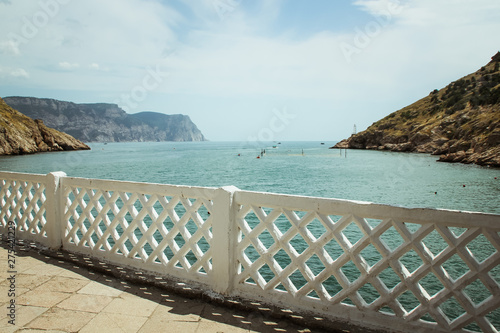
{"x":208,"y":326}
{"x":166,"y":314}
{"x":96,"y":288}
{"x":88,"y":303}
{"x":131,"y":305}
{"x":6,"y":289}
{"x":64,"y":284}
{"x":24,"y":264}
{"x":29,"y":330}
{"x":40,"y":297}
{"x":187,"y":310}
{"x":173,"y":327}
{"x":74,"y":273}
{"x":24,"y":314}
{"x":4,"y":325}
{"x":273,"y":326}
{"x":56,"y":296}
{"x":3,"y":273}
{"x":147,"y":292}
{"x":226,"y":316}
{"x":115,"y":283}
{"x":116,"y":322}
{"x":8,"y":329}
{"x":44,"y":269}
{"x":29,"y":282}
{"x":61,"y":319}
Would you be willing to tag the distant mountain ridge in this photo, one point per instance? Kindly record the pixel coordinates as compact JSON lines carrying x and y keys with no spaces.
{"x":460,"y":122}
{"x":19,"y":134}
{"x":101,"y":122}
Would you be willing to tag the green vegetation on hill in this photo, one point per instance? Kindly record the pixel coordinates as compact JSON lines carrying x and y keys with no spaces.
{"x":460,"y":122}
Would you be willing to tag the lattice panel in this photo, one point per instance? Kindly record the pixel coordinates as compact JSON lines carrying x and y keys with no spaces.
{"x":445,"y":276}
{"x":24,"y":203}
{"x":172,"y":231}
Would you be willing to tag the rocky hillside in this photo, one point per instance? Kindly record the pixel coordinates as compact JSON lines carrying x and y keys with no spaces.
{"x":176,"y":127}
{"x":20,"y":134}
{"x":461,"y":122}
{"x":107,"y":122}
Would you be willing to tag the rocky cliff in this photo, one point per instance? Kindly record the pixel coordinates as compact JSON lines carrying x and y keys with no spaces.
{"x":460,"y":122}
{"x":20,"y":134}
{"x":107,"y":122}
{"x":176,"y":127}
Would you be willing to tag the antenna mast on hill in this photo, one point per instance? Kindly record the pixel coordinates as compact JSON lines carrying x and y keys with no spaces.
{"x":354,"y":131}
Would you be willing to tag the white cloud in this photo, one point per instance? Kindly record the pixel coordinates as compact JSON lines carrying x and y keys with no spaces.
{"x":211,"y":11}
{"x":16,"y":73}
{"x":250,"y":66}
{"x":67,"y":66}
{"x":9,"y":48}
{"x":109,"y":46}
{"x":399,"y":50}
{"x":20,"y":73}
{"x":423,"y":45}
{"x":97,"y":67}
{"x":380,"y":7}
{"x":124,"y":36}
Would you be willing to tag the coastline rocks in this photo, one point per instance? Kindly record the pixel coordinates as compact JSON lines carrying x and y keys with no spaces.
{"x":344,"y":144}
{"x":101,"y":122}
{"x":488,"y":158}
{"x":20,"y":134}
{"x":460,"y":123}
{"x":484,"y":152}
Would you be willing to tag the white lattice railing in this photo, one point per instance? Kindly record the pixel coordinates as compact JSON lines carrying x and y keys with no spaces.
{"x":23,"y":199}
{"x":419,"y":268}
{"x":159,"y":228}
{"x":370,"y":265}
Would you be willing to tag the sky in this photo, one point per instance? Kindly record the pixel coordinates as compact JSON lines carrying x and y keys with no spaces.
{"x":246,"y":70}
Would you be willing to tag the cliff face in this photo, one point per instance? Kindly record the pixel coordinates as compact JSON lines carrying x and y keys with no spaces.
{"x":107,"y":122}
{"x":175,"y":127}
{"x":20,"y":134}
{"x":461,"y":122}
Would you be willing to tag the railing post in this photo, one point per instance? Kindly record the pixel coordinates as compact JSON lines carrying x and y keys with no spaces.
{"x":53,"y":210}
{"x":224,"y":233}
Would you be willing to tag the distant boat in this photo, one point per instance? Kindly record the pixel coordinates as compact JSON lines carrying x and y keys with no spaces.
{"x":322,"y":143}
{"x":275,"y":146}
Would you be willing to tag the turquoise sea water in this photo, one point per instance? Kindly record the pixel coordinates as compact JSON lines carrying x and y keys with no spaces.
{"x":302,"y":168}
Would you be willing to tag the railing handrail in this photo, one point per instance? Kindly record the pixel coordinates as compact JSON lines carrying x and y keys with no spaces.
{"x":227,"y":240}
{"x":6,"y":175}
{"x":369,"y":209}
{"x":147,"y":188}
{"x":321,"y":204}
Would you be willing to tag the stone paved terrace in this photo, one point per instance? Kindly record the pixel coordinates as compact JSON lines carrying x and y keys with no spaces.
{"x":56,"y":292}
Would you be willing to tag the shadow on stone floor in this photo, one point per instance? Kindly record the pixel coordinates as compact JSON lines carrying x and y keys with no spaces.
{"x":180,"y":304}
